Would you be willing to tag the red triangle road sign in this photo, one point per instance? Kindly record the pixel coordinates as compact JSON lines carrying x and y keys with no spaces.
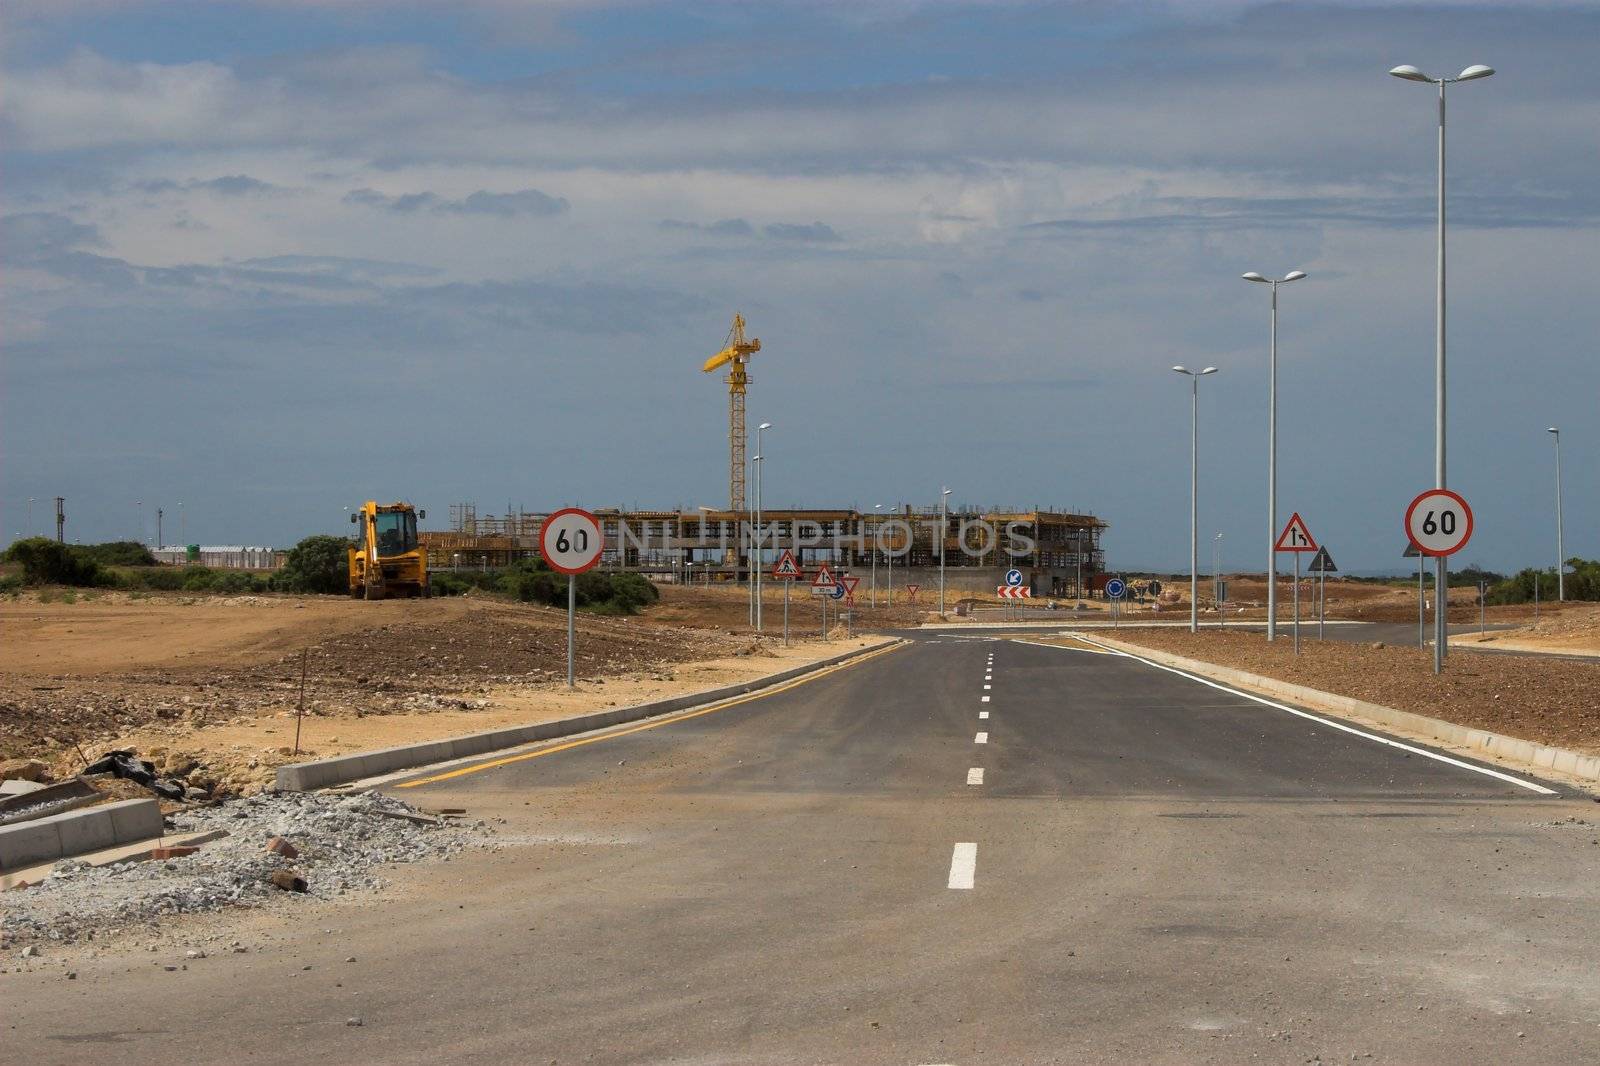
{"x":786,"y":567}
{"x":824,"y":578}
{"x":912,"y":590}
{"x":850,"y":583}
{"x":1295,"y":537}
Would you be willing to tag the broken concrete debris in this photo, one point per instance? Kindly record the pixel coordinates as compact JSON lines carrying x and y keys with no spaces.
{"x":288,"y":880}
{"x":340,"y":842}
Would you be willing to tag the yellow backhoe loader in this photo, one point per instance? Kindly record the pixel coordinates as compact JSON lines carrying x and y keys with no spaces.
{"x":386,"y":560}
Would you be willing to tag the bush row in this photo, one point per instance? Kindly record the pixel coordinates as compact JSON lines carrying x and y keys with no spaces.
{"x":1582,"y":583}
{"x":316,"y":565}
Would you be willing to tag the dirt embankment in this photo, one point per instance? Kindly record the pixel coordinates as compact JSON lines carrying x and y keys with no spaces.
{"x":1550,"y":701}
{"x":216,"y":681}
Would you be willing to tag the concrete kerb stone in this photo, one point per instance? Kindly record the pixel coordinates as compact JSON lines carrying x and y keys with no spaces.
{"x":341,"y":769}
{"x":71,"y":833}
{"x":1584,"y":768}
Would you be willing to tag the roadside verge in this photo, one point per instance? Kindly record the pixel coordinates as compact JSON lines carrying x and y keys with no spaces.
{"x":342,"y":769}
{"x":1496,"y":747}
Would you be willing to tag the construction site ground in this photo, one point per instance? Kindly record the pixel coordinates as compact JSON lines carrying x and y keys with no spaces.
{"x":207,"y":687}
{"x":1546,"y":700}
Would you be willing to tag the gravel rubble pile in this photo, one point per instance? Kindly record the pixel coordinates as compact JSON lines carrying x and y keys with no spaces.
{"x":340,"y":842}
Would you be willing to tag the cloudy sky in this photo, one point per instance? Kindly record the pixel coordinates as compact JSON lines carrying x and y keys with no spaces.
{"x":271,"y":259}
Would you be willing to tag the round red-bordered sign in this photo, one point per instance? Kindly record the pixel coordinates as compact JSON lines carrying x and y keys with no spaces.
{"x":571,"y":541}
{"x":1439,"y":522}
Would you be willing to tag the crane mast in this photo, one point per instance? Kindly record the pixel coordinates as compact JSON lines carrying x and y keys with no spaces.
{"x":735,"y":353}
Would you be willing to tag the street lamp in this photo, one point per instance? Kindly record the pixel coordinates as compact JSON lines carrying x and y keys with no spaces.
{"x":944,"y":500}
{"x":1272,"y":451}
{"x":1441,"y":628}
{"x":877,"y":508}
{"x":1194,"y":377}
{"x":756,"y":562}
{"x":1561,"y":553}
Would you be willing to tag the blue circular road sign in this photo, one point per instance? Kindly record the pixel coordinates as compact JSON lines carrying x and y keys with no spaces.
{"x":1115,"y":588}
{"x":1013,"y":578}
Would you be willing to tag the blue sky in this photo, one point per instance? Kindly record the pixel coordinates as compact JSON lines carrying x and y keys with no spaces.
{"x":272,"y":259}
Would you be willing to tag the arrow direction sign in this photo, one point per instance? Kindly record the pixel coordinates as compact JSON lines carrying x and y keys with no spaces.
{"x":822,"y":584}
{"x":1295,"y":537}
{"x":1013,"y":592}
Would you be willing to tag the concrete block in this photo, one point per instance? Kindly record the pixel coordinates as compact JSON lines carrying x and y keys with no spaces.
{"x":133,"y":819}
{"x":79,"y":835}
{"x":30,"y":842}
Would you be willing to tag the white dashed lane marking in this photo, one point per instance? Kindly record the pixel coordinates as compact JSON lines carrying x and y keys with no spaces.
{"x":963,"y":865}
{"x":985,"y":699}
{"x":981,"y":738}
{"x":975,"y":776}
{"x":982,"y":715}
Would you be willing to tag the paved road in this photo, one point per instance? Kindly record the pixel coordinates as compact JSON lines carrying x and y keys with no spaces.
{"x":1147,"y":869}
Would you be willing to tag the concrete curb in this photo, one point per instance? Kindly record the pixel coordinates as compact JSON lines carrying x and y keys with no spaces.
{"x":340,"y":769}
{"x":1584,"y":768}
{"x":62,"y":836}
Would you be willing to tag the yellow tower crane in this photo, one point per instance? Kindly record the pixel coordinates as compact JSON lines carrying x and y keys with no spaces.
{"x":735,"y":353}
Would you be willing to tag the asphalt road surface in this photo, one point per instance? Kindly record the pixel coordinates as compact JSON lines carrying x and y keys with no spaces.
{"x":965,"y":850}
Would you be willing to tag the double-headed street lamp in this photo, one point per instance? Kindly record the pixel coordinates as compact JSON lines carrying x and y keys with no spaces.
{"x":1194,"y":491}
{"x":1272,"y":451}
{"x":1561,"y":551}
{"x":1441,"y":630}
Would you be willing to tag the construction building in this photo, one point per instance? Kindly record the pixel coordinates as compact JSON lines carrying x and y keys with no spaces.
{"x":1058,"y":552}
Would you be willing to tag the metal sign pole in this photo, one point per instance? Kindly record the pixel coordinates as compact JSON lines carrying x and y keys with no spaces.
{"x":1422,"y":608}
{"x":572,"y":609}
{"x":1322,"y":603}
{"x":1297,"y":603}
{"x":786,"y":586}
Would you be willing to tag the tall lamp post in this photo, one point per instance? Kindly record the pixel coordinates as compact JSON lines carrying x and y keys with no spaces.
{"x":1441,"y":627}
{"x":1561,"y":551}
{"x":877,"y":509}
{"x":1272,"y":450}
{"x":1194,"y":377}
{"x":944,"y":500}
{"x":760,"y":540}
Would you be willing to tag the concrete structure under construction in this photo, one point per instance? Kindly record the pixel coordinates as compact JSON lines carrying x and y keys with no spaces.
{"x":1058,"y":552}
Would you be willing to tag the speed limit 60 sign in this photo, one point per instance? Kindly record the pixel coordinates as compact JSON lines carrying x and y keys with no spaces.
{"x":1439,"y":522}
{"x":571,"y":541}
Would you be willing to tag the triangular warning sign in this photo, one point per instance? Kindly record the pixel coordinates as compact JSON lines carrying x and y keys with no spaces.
{"x":1410,"y":552}
{"x":786,"y":567}
{"x":1295,"y":537}
{"x":1322,"y":563}
{"x":824,"y":578}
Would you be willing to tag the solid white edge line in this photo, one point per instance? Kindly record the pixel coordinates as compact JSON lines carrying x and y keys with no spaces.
{"x":1436,"y":756}
{"x":982,"y":715}
{"x":975,"y":776}
{"x":963,"y":865}
{"x":981,"y":738}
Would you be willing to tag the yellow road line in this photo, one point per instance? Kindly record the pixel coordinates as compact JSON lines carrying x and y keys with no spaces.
{"x":656,"y":724}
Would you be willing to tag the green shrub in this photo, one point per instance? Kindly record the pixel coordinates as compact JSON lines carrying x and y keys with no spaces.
{"x":11,"y":584}
{"x":198,"y":579}
{"x":47,"y":562}
{"x":116,"y":553}
{"x":317,"y":564}
{"x":160,"y":578}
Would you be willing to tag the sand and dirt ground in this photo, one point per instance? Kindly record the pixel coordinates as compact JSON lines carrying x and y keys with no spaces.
{"x":1550,"y":701}
{"x":207,"y":687}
